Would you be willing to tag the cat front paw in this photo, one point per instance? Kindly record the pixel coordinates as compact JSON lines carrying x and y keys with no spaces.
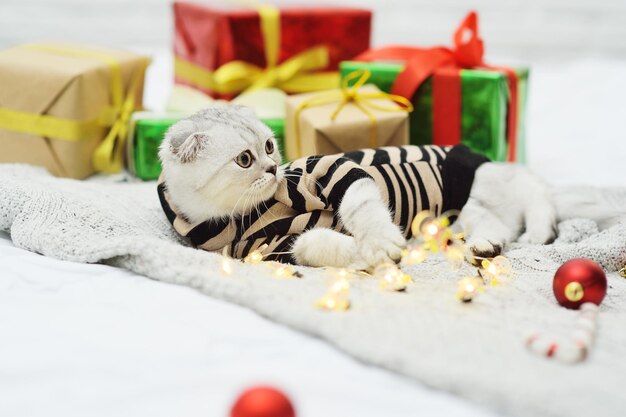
{"x":483,"y":248}
{"x":379,"y":248}
{"x":539,"y":236}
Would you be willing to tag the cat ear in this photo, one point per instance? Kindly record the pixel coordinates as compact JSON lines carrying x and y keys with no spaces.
{"x":189,"y":150}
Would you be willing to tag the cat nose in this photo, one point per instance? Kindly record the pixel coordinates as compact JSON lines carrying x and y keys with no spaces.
{"x":271,"y":170}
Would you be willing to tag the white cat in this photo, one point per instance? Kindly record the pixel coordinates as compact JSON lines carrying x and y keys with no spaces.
{"x":222,"y":187}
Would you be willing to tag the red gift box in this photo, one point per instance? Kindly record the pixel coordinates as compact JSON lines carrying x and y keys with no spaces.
{"x":307,"y":41}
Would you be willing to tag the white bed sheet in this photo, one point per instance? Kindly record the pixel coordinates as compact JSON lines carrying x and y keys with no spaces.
{"x":93,"y":340}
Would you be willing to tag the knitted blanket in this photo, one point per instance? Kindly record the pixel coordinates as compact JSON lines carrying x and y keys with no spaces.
{"x":475,"y":350}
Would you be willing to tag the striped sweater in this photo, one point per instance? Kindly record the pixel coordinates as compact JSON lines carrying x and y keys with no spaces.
{"x":411,"y":179}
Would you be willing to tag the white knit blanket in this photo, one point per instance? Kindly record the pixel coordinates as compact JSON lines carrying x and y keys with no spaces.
{"x":475,"y":350}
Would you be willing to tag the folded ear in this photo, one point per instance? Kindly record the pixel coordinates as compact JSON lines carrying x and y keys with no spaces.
{"x":189,"y":150}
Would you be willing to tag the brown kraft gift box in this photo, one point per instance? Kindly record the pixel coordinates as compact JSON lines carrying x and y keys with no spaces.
{"x":350,"y":130}
{"x":71,"y":84}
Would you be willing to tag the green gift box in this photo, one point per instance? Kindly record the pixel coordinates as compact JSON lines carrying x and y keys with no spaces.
{"x":146,"y":131}
{"x":484,"y":98}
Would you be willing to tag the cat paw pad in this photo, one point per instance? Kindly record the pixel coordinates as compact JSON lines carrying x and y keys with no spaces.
{"x":483,"y":248}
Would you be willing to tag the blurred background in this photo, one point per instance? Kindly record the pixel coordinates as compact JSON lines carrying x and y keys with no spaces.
{"x":527,"y":29}
{"x":576,"y":50}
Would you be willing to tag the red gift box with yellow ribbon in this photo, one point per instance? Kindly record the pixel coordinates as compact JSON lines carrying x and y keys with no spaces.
{"x":228,"y":47}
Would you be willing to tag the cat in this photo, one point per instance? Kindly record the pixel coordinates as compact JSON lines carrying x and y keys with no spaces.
{"x":223,"y":186}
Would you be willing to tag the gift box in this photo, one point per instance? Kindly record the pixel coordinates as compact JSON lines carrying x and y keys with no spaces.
{"x":223,"y":49}
{"x":484,"y":96}
{"x":66,"y":108}
{"x":344,"y":120}
{"x":146,"y":133}
{"x":458,"y":98}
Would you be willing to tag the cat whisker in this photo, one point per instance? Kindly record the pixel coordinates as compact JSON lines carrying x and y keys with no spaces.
{"x":231,"y":216}
{"x":307,"y":177}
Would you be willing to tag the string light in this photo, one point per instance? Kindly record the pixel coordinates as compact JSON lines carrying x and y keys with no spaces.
{"x":227,"y":266}
{"x":280,"y":270}
{"x":253,"y":257}
{"x":391,"y":277}
{"x":337,"y":296}
{"x":455,"y":254}
{"x":468,"y":288}
{"x":496,"y":268}
{"x":413,"y":255}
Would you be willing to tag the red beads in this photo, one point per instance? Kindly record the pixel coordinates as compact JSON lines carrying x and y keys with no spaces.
{"x":579,"y":281}
{"x":262,"y":402}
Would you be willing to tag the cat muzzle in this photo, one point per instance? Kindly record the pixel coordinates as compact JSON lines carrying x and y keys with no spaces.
{"x":272,"y":169}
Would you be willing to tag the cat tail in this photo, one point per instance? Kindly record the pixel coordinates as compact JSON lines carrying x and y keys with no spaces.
{"x":605,"y":206}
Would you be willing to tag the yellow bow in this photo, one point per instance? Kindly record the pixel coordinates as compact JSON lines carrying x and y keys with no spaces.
{"x":351,"y":94}
{"x":108,"y":155}
{"x":294,"y":75}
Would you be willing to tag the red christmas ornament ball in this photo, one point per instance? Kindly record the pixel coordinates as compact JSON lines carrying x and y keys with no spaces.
{"x":262,"y":402}
{"x":579,"y":281}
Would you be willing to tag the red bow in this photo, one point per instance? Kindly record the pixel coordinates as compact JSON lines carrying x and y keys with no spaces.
{"x":443,"y":64}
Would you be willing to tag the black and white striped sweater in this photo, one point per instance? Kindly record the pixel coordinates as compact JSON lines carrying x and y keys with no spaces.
{"x":411,"y":179}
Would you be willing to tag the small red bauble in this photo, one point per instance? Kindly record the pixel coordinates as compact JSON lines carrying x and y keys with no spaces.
{"x":579,"y":281}
{"x":262,"y":402}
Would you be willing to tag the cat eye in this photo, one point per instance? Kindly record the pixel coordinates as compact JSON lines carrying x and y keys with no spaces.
{"x":269,"y":146}
{"x":244,"y":159}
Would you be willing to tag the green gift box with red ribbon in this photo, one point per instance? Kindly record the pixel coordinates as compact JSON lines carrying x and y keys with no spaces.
{"x":458,"y":98}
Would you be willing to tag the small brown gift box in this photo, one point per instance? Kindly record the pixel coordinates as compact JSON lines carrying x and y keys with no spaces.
{"x":60,"y":104}
{"x":311,"y":130}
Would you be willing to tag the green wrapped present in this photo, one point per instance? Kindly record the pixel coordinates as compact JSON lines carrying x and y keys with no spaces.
{"x":484,"y":95}
{"x":457,"y":96}
{"x":146,"y":132}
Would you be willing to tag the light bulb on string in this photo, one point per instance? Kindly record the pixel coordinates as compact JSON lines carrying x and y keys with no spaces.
{"x":414,"y":254}
{"x":496,"y":268}
{"x":337,"y":295}
{"x":469,"y":287}
{"x":391,"y":277}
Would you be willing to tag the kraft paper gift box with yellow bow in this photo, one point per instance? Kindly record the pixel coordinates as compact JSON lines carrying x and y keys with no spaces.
{"x":345,"y":119}
{"x":66,"y":108}
{"x":226,"y":47}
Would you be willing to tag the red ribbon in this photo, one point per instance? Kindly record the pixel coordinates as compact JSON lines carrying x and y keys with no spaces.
{"x":444,"y":64}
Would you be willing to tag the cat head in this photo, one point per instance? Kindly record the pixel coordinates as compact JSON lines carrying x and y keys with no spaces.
{"x":222,"y":161}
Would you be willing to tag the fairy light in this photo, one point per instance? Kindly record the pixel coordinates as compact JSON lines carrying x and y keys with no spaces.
{"x":337,"y":296}
{"x":432,"y":229}
{"x":455,"y":254}
{"x":391,"y":277}
{"x":468,"y":288}
{"x":342,"y":273}
{"x":227,"y":266}
{"x":253,"y":257}
{"x":280,"y":270}
{"x":414,"y":255}
{"x":496,"y":268}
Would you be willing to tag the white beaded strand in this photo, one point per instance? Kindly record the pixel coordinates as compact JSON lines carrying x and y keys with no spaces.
{"x":575,"y":349}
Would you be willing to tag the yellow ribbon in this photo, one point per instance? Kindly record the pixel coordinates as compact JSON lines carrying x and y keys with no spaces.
{"x":351,"y":94}
{"x":108,"y":155}
{"x":294,"y":75}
